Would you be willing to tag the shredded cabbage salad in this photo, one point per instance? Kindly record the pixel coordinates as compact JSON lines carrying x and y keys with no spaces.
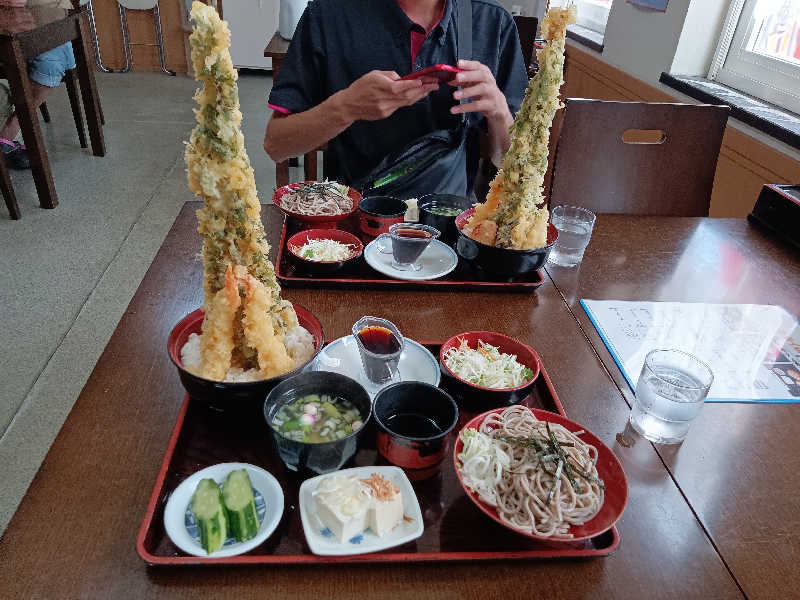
{"x":482,"y":464}
{"x":323,"y":250}
{"x":486,"y":366}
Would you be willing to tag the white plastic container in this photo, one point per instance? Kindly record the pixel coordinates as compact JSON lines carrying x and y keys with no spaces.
{"x":291,"y":11}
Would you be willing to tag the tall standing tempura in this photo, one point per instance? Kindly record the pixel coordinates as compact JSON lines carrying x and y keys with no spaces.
{"x":514,"y":214}
{"x":246,"y":321}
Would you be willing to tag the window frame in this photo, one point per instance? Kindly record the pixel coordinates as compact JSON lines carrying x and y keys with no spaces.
{"x":762,"y":76}
{"x":593,"y":25}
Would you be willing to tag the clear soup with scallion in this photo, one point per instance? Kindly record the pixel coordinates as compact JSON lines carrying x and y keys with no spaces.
{"x":445,"y":211}
{"x":317,"y":418}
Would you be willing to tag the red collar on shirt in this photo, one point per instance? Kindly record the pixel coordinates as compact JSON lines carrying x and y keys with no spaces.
{"x":418,"y":39}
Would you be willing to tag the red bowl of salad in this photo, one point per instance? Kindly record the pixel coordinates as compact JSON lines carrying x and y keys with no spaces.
{"x":323,"y":250}
{"x":486,"y":369}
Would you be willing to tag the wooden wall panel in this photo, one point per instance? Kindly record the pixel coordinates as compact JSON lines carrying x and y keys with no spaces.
{"x":744,"y":165}
{"x":142,"y":31}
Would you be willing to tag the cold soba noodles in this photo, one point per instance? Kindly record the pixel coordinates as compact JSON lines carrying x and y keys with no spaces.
{"x":540,"y":476}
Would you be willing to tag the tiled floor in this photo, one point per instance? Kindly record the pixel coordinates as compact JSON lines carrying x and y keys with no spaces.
{"x":67,"y":274}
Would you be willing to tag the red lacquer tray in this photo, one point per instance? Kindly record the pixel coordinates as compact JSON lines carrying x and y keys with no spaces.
{"x":455,"y":530}
{"x":360,"y":275}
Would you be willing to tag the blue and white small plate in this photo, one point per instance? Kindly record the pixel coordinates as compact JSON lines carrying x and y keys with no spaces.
{"x":181,"y":526}
{"x":341,"y":356}
{"x":321,"y":540}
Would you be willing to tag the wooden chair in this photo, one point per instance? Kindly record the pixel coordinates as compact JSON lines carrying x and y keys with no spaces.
{"x":526,"y":27}
{"x":310,"y":167}
{"x":638,"y":158}
{"x":8,"y":190}
{"x":71,"y":81}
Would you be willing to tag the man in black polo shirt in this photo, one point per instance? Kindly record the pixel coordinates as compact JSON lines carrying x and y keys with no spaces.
{"x":340,"y":81}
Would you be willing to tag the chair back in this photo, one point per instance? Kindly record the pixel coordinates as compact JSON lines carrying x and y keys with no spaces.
{"x":526,"y":27}
{"x":638,"y":158}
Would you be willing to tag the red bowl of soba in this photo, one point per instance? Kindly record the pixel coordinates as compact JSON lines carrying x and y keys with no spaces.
{"x":609,"y":471}
{"x":309,"y":203}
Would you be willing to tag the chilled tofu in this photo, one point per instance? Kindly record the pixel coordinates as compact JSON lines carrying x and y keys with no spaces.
{"x":387,"y":505}
{"x":347,"y":505}
{"x":342,"y":505}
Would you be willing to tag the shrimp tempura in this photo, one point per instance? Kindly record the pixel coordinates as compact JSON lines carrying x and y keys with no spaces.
{"x":235,"y":249}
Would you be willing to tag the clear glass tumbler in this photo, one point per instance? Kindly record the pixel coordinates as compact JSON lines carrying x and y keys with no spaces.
{"x":380,"y":344}
{"x":574,"y":226}
{"x":669,"y":395}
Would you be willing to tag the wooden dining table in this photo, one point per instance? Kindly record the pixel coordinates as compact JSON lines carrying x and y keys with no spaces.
{"x":24,"y":34}
{"x":712,"y":518}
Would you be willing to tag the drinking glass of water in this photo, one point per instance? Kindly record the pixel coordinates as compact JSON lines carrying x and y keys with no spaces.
{"x":669,"y":395}
{"x":574,"y":226}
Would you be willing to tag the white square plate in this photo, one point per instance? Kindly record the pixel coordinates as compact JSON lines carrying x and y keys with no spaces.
{"x":325,"y":544}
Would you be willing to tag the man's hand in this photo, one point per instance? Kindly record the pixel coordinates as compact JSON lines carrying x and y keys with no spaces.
{"x":477,"y":83}
{"x":378,"y":94}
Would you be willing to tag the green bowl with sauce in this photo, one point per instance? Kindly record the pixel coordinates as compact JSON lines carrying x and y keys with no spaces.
{"x":440,"y":211}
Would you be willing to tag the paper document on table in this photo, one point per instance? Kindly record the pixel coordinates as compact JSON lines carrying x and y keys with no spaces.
{"x":753,"y":349}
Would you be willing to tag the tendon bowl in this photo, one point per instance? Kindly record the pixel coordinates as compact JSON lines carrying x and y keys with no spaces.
{"x":295,"y":242}
{"x":502,"y":262}
{"x":226,"y":395}
{"x":315,"y":221}
{"x":322,"y":457}
{"x":476,"y":397}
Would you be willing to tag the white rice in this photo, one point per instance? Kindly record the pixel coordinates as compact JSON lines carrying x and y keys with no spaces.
{"x":299,"y":344}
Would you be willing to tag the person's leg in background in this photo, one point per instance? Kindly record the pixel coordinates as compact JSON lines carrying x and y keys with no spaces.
{"x":46,"y":71}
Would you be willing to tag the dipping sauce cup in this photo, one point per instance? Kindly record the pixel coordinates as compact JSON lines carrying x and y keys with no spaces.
{"x":380,"y":344}
{"x":409,"y":241}
{"x":413,"y":420}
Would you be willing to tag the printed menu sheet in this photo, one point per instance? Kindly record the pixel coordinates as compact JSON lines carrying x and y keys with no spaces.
{"x":753,"y":349}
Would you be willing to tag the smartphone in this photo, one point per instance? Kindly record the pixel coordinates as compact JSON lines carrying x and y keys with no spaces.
{"x":443,"y":73}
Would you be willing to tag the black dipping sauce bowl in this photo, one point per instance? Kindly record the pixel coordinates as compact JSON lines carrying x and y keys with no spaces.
{"x":413,"y":420}
{"x":378,"y":213}
{"x":323,"y":457}
{"x":444,"y":223}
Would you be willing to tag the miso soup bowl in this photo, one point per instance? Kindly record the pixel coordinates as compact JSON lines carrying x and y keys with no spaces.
{"x":323,"y":457}
{"x":502,"y":262}
{"x":446,"y":224}
{"x":226,"y":395}
{"x":420,"y":457}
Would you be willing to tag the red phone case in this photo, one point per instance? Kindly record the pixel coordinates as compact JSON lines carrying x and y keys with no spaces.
{"x":443,"y":73}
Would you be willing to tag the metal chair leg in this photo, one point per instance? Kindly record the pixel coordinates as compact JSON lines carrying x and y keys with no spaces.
{"x":126,"y":40}
{"x":160,"y":40}
{"x":96,"y":41}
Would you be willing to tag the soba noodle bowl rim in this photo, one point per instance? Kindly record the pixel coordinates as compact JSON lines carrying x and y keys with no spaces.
{"x":609,"y":470}
{"x":352,"y":193}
